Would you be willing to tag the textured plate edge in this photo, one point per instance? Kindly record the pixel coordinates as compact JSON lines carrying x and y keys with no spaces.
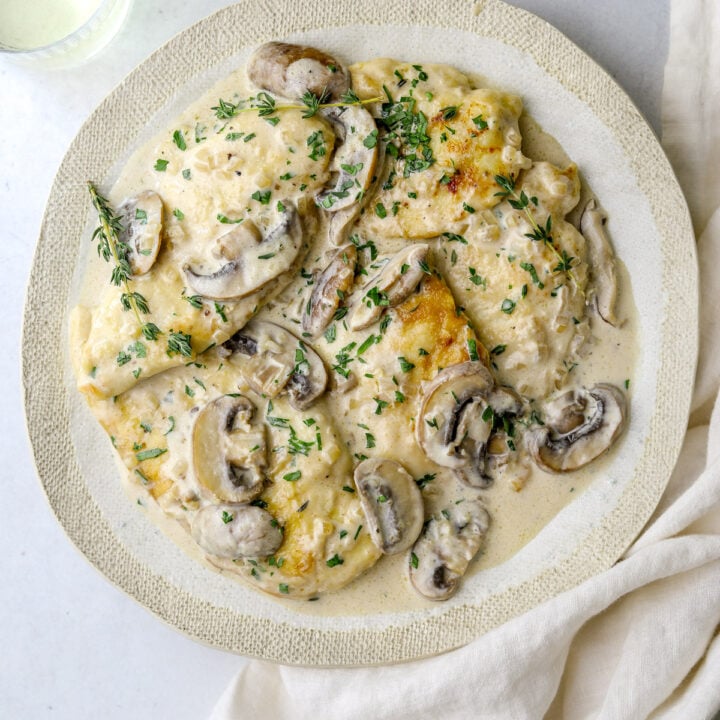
{"x":43,"y":384}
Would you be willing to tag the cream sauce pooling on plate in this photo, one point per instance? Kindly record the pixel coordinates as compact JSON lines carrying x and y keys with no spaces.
{"x":242,"y":168}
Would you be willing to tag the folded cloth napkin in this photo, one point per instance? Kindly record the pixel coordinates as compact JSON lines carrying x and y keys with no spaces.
{"x":640,"y":640}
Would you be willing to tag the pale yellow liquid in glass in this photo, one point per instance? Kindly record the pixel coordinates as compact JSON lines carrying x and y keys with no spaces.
{"x":30,"y":24}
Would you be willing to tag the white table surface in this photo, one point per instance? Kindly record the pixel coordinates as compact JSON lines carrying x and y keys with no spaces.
{"x":72,"y":645}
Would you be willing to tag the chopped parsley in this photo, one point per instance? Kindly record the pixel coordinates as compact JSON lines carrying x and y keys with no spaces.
{"x":380,"y":405}
{"x":179,"y":140}
{"x":405,"y":365}
{"x":479,"y":122}
{"x":454,"y":237}
{"x":226,"y":220}
{"x":262,"y":196}
{"x":472,"y":349}
{"x":150,"y":454}
{"x":425,"y":479}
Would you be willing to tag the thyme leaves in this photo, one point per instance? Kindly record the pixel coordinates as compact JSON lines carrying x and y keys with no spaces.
{"x":112,"y":249}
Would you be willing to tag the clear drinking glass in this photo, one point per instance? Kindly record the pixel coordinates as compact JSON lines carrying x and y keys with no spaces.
{"x":58,"y":32}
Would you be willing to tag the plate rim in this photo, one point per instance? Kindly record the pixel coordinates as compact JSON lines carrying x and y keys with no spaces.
{"x":61,"y":479}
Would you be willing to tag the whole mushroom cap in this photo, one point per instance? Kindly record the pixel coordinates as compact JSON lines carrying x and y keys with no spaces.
{"x":292,"y":70}
{"x":233,"y":531}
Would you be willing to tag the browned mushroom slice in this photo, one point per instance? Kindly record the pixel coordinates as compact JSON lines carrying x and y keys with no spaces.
{"x":391,"y":286}
{"x":340,"y":221}
{"x":447,"y":545}
{"x":353,"y":164}
{"x":330,"y":287}
{"x":392,"y":503}
{"x":456,"y":420}
{"x":229,"y":451}
{"x":251,"y":264}
{"x":234,"y":531}
{"x":277,"y":362}
{"x":580,"y":425}
{"x":292,"y":70}
{"x":141,"y":218}
{"x":602,"y":262}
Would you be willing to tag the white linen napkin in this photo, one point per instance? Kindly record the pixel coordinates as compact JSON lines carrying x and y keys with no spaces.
{"x":640,"y":640}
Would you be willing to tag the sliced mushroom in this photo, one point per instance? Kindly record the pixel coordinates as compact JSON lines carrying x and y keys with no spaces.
{"x":330,"y":288}
{"x":580,"y":425}
{"x":392,"y":503}
{"x":602,"y":262}
{"x":456,"y":420}
{"x":505,"y":401}
{"x":353,"y":164}
{"x":450,"y":540}
{"x":234,"y":531}
{"x":293,"y":70}
{"x":279,"y":362}
{"x":340,"y":222}
{"x":141,"y":218}
{"x":229,"y":452}
{"x":251,"y":264}
{"x":498,"y":452}
{"x":391,"y":286}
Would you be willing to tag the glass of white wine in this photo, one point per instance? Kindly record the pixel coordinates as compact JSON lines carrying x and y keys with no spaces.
{"x":58,"y":32}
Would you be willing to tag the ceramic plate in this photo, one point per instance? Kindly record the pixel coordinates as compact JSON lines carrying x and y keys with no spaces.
{"x":572,"y":99}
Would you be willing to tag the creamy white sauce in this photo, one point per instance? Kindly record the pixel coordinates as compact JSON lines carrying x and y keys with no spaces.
{"x":518,"y":510}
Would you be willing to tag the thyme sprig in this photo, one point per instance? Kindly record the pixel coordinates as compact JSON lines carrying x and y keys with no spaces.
{"x":265,"y":104}
{"x":540,"y":233}
{"x":111,"y":248}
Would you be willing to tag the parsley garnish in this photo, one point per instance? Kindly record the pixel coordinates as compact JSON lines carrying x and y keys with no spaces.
{"x":405,"y":365}
{"x":479,"y":122}
{"x":472,"y":349}
{"x":262,"y":196}
{"x":453,"y":237}
{"x":179,"y":140}
{"x":425,"y":479}
{"x":150,"y":454}
{"x":409,"y":128}
{"x":226,"y":220}
{"x":507,"y":306}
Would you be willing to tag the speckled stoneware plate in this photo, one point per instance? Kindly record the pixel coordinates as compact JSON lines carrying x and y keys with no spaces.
{"x":572,"y":99}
